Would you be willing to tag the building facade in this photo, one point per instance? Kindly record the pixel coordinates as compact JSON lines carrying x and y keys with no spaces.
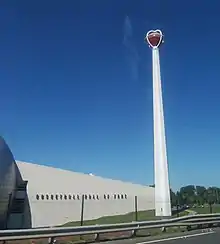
{"x":33,"y":195}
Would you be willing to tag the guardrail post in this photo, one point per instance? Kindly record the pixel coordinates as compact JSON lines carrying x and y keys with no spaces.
{"x":163,"y":229}
{"x":189,"y":228}
{"x":210,"y":225}
{"x":97,"y":237}
{"x":51,"y":240}
{"x":134,"y":232}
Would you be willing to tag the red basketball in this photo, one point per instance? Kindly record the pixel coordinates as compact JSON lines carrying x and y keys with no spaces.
{"x":154,"y":38}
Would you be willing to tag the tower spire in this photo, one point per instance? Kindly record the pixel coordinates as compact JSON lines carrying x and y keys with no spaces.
{"x":154,"y":38}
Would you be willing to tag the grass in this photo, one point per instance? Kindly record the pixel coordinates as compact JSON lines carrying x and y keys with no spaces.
{"x":142,"y":216}
{"x":206,"y":209}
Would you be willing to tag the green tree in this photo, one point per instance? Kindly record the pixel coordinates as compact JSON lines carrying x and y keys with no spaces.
{"x":201,"y":195}
{"x":198,"y":195}
{"x":173,"y":198}
{"x":188,"y":194}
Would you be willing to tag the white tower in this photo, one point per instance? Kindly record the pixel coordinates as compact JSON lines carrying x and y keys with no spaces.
{"x":162,"y":190}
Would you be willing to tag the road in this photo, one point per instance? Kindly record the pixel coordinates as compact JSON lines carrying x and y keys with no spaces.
{"x":199,"y":237}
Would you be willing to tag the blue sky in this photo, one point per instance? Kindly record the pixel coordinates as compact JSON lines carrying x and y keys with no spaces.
{"x":76,"y":86}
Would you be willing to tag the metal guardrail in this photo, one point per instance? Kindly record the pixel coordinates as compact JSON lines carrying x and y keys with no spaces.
{"x":192,"y":220}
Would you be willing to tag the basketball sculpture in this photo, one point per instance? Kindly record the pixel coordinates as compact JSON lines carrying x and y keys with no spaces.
{"x":154,"y":38}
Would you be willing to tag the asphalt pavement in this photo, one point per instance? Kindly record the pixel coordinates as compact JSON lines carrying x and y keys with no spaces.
{"x":198,"y":237}
{"x":202,"y":238}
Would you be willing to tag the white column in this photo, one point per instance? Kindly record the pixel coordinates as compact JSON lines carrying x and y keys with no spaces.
{"x":162,"y":189}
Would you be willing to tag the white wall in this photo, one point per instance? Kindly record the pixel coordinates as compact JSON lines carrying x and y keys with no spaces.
{"x":47,"y":181}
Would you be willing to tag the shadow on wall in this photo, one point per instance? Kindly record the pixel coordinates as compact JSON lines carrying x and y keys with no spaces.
{"x":25,"y":216}
{"x":19,"y":214}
